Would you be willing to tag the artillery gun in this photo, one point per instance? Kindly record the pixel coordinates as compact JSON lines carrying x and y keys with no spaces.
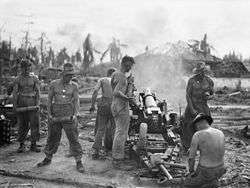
{"x":153,"y":137}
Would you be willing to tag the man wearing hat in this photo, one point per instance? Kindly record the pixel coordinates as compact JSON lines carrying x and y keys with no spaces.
{"x":210,"y":142}
{"x":26,"y":93}
{"x":62,"y":111}
{"x":199,"y":90}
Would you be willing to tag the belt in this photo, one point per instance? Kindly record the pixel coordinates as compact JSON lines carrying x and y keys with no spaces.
{"x":106,"y":99}
{"x":27,"y":94}
{"x":109,"y":98}
{"x":213,"y":167}
{"x":65,"y":103}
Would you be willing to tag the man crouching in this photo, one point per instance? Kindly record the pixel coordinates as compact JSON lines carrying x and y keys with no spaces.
{"x":62,"y":109}
{"x":210,"y":142}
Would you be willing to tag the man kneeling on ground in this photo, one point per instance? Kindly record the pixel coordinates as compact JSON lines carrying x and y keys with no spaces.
{"x":210,"y":142}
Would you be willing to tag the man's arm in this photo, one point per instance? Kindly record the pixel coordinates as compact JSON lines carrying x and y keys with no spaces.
{"x":211,"y":83}
{"x":50,"y":98}
{"x":15,"y":94}
{"x":192,"y":152}
{"x":120,"y":89}
{"x":95,"y":94}
{"x":76,"y":101}
{"x":188,"y":96}
{"x":37,"y":90}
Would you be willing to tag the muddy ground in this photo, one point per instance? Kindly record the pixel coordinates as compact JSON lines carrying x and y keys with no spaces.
{"x":19,"y":170}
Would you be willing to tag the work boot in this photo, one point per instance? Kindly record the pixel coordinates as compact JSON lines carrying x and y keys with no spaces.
{"x":21,"y":148}
{"x":95,"y":154}
{"x":45,"y":162}
{"x":79,"y":167}
{"x":34,"y":148}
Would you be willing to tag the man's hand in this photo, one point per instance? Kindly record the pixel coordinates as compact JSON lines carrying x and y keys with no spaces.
{"x":74,"y":118}
{"x":192,"y":174}
{"x":131,"y":98}
{"x":49,"y":117}
{"x":92,"y":108}
{"x":14,"y":107}
{"x":208,"y":96}
{"x":195,"y":112}
{"x":37,"y":107}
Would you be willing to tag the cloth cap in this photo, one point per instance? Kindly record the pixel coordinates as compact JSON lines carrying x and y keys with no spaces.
{"x":68,"y":69}
{"x":25,"y":63}
{"x":200,"y":68}
{"x":202,"y":116}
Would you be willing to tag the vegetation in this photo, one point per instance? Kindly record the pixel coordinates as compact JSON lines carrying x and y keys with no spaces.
{"x":233,"y":57}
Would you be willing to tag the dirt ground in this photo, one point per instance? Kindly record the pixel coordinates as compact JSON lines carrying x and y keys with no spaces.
{"x":62,"y":170}
{"x":19,"y":170}
{"x":12,"y":182}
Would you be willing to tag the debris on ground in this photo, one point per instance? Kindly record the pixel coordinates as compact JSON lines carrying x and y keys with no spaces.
{"x":245,"y":132}
{"x":231,"y":120}
{"x":229,"y":96}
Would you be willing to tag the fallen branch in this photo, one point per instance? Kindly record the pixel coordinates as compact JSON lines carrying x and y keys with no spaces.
{"x":25,"y":175}
{"x":239,"y":127}
{"x":234,"y":94}
{"x":231,"y":118}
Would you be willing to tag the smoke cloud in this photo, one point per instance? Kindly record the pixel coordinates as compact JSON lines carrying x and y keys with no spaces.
{"x":161,"y":70}
{"x":72,"y":33}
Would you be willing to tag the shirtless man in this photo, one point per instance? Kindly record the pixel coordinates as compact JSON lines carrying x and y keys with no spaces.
{"x":104,"y":120}
{"x":210,"y":142}
{"x":199,"y":90}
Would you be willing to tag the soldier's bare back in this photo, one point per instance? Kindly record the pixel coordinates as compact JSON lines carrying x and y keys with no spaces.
{"x":210,"y":143}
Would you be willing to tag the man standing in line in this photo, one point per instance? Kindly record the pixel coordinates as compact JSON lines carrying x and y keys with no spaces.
{"x":63,"y":110}
{"x":120,"y":109}
{"x":26,"y":93}
{"x":199,"y":90}
{"x":105,"y":121}
{"x":211,"y":144}
{"x":75,"y":80}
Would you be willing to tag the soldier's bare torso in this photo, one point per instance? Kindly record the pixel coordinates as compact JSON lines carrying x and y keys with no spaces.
{"x":105,"y":85}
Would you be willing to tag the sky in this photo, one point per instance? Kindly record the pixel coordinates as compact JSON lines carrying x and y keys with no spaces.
{"x":137,"y":23}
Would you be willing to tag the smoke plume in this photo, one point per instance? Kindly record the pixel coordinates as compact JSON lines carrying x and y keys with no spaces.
{"x":161,"y":70}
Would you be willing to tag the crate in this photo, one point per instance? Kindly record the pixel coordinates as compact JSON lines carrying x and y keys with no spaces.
{"x":7,"y":111}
